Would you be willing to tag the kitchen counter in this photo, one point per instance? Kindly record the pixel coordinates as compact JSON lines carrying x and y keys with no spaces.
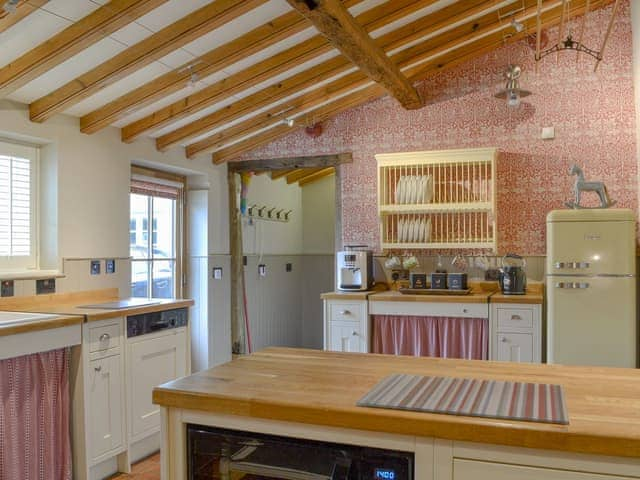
{"x":534,"y":296}
{"x":322,"y":388}
{"x":359,"y":295}
{"x":35,"y":325}
{"x":476,"y":296}
{"x":72,"y":304}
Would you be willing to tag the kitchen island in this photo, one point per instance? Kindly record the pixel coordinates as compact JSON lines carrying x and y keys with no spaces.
{"x":312,"y":394}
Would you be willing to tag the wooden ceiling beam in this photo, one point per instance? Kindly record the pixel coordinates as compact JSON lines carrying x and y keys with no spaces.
{"x":72,"y":40}
{"x":289,"y":163}
{"x":441,"y":63}
{"x":347,"y":35}
{"x":276,"y":174}
{"x":296,"y":175}
{"x":23,"y":10}
{"x":343,"y":85}
{"x":166,"y":40}
{"x":314,"y":177}
{"x":257,"y":73}
{"x":318,"y":73}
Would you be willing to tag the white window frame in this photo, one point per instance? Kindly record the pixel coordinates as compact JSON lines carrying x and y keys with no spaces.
{"x":31,"y":153}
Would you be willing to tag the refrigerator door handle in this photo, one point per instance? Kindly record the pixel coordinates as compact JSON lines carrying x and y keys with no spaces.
{"x":573,"y":265}
{"x":572,"y":285}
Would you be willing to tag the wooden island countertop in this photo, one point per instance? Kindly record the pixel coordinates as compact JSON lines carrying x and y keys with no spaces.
{"x":322,"y":388}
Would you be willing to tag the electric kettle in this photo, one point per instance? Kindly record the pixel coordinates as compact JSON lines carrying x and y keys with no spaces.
{"x":513,"y":279}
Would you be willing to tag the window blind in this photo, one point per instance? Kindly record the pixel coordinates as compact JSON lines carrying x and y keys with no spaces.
{"x":153,"y":189}
{"x":16,"y":200}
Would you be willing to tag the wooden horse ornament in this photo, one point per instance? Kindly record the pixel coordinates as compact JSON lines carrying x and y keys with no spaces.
{"x":583,"y":186}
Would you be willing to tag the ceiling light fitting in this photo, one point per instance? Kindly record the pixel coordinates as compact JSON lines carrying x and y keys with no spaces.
{"x":512,"y":91}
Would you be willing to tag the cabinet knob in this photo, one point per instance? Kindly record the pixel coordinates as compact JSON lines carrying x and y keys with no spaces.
{"x":345,"y":312}
{"x":464,"y":310}
{"x":354,"y":333}
{"x":98,"y":368}
{"x":503,"y":339}
{"x":105,"y":337}
{"x":516,"y":317}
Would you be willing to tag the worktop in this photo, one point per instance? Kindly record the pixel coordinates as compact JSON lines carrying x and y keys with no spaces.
{"x":36,"y":325}
{"x":481,"y":292}
{"x":322,"y":388}
{"x":68,"y":304}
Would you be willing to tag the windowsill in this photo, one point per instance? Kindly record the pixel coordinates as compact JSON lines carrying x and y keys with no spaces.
{"x":30,"y":274}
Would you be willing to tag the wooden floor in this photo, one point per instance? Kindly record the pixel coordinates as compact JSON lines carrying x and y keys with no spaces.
{"x":147,"y":469}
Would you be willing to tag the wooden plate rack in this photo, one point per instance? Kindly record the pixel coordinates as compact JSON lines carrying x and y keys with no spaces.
{"x":443,"y":199}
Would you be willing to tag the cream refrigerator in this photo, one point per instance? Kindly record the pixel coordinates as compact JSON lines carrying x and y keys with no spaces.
{"x":591,"y":287}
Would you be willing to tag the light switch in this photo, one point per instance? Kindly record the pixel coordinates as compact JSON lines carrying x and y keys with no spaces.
{"x":262,"y":270}
{"x":110,"y":266}
{"x":95,"y":267}
{"x":548,"y":133}
{"x":217,"y":273}
{"x":7,"y":288}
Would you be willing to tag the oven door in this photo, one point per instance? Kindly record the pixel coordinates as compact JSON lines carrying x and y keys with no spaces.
{"x":231,"y":455}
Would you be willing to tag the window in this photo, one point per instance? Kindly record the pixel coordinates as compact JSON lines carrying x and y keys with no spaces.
{"x":156,"y":257}
{"x":18,"y":186}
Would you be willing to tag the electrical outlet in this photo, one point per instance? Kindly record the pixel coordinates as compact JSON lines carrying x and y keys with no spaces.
{"x":548,"y":133}
{"x":289,"y":267}
{"x":110,"y":266}
{"x":7,"y":288}
{"x":244,"y":260}
{"x":45,"y":285}
{"x":95,"y":267}
{"x":262,"y":270}
{"x":217,"y":273}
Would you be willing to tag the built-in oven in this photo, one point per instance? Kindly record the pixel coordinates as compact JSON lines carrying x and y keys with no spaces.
{"x":222,"y":454}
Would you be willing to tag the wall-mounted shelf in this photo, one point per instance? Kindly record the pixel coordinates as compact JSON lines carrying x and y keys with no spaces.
{"x":442,"y":199}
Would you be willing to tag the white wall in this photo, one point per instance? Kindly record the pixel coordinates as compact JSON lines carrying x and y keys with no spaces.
{"x":273,"y":238}
{"x":92,"y":173}
{"x":319,"y":216}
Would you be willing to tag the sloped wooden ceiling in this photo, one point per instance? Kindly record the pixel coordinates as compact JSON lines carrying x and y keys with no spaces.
{"x":223,"y":77}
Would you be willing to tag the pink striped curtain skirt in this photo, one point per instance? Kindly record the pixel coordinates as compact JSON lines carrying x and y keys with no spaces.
{"x":34,"y":417}
{"x":445,"y":337}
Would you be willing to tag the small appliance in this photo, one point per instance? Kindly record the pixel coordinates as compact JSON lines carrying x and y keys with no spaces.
{"x":513,"y":279}
{"x":354,"y":268}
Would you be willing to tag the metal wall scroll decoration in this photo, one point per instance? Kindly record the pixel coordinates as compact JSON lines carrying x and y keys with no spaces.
{"x":581,"y":185}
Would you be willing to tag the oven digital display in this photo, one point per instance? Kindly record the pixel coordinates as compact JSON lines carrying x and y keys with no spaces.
{"x":384,"y":474}
{"x":349,"y":258}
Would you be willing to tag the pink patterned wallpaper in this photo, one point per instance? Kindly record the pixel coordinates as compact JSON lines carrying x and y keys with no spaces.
{"x":593,"y":115}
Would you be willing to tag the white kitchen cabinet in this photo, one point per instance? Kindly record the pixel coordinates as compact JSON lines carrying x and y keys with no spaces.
{"x":346,"y":325}
{"x":516,"y":332}
{"x":98,"y":402}
{"x":152,"y":359}
{"x":105,"y":390}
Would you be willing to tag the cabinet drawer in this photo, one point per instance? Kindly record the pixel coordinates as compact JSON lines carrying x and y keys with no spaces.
{"x":349,"y":312}
{"x":515,"y":318}
{"x":474,"y":470}
{"x":104,"y":337}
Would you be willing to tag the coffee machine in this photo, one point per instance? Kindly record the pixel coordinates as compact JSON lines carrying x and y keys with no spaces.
{"x":354,"y":268}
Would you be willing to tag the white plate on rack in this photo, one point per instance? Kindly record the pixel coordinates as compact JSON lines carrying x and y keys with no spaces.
{"x":400,"y":230}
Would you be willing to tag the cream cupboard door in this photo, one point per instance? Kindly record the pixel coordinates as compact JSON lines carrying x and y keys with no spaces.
{"x":515,"y":347}
{"x":151,"y":362}
{"x":105,"y":406}
{"x":346,"y":337}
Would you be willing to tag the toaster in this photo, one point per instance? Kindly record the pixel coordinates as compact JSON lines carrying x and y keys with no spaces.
{"x":354,"y":269}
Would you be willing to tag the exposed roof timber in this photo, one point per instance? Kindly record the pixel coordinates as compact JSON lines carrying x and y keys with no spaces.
{"x":257,"y":73}
{"x":73,"y":39}
{"x":347,"y":35}
{"x":321,"y":113}
{"x":276,"y":174}
{"x":166,"y":40}
{"x":314,"y":177}
{"x":424,"y":26}
{"x":211,"y":62}
{"x":356,"y":79}
{"x":289,"y":163}
{"x":300,"y":173}
{"x":23,"y":9}
{"x":606,"y":35}
{"x":449,"y":59}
